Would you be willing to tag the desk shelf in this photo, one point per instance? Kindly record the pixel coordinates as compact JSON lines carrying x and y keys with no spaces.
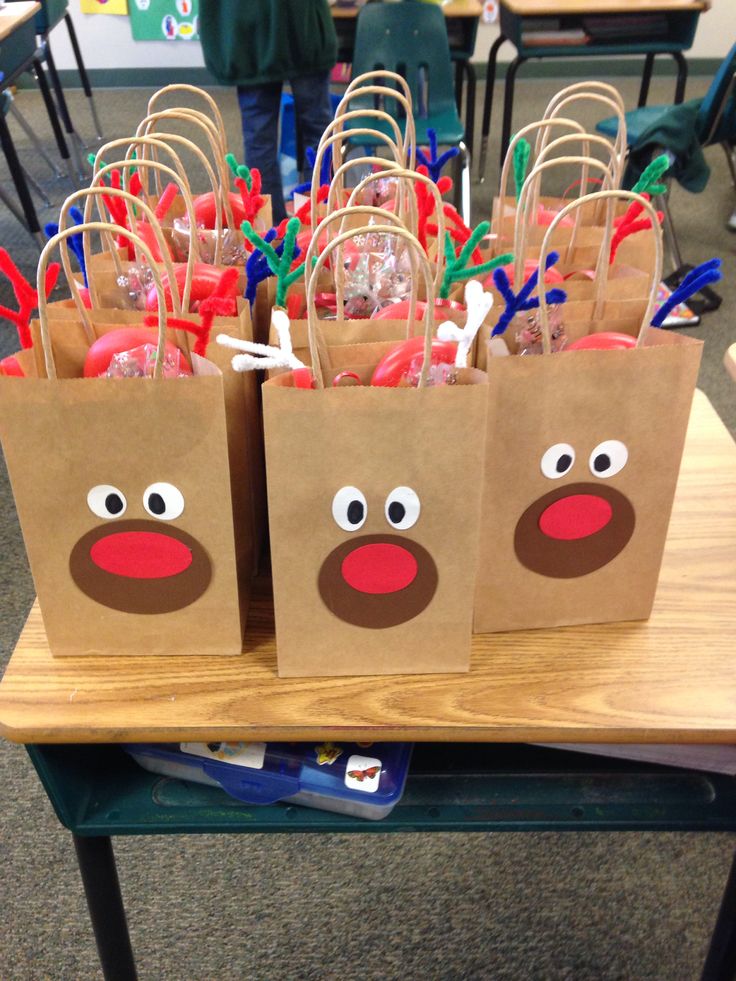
{"x":100,"y":790}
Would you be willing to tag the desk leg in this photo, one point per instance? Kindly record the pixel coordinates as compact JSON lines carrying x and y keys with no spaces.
{"x":720,"y":964}
{"x":470,"y":107}
{"x":43,"y":86}
{"x":646,"y":78}
{"x":681,"y":62}
{"x":508,"y":105}
{"x":488,"y":103}
{"x":459,"y":67}
{"x":83,"y":76}
{"x":19,"y":179}
{"x":102,"y":889}
{"x":64,"y":110}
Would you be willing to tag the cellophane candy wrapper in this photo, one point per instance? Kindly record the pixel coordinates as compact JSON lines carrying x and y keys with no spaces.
{"x":378,"y":274}
{"x":440,"y":373}
{"x":233,"y":251}
{"x":140,"y":362}
{"x":529,"y":332}
{"x":378,"y":193}
{"x":135,"y":285}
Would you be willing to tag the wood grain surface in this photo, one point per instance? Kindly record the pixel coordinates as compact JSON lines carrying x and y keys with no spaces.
{"x":12,"y":15}
{"x":536,"y":8}
{"x":669,"y":679}
{"x":456,"y":8}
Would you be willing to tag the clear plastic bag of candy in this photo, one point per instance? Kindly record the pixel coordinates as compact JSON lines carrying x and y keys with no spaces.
{"x":140,"y":362}
{"x":377,"y":272}
{"x":134,"y":286}
{"x":233,"y":252}
{"x":529,"y":331}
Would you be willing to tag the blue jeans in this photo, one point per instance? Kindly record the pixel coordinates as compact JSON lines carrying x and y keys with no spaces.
{"x":259,"y":108}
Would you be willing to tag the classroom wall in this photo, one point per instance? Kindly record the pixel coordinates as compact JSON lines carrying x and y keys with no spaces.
{"x":107,"y":43}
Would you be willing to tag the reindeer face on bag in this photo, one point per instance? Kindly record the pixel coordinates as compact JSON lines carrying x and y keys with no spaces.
{"x":582,"y":522}
{"x":134,"y":559}
{"x":378,"y":576}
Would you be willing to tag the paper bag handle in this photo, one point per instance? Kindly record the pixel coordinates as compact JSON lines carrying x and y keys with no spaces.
{"x":43,"y":313}
{"x":418,"y":259}
{"x":341,"y":215}
{"x":201,"y":94}
{"x":522,"y":212}
{"x":586,"y":139}
{"x":658,"y":259}
{"x":147,"y":127}
{"x":583,"y":87}
{"x":412,"y":176}
{"x":386,"y":168}
{"x":377,"y":84}
{"x":615,"y":104}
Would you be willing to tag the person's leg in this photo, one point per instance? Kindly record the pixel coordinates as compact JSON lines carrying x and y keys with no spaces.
{"x":312,"y":107}
{"x":259,"y":110}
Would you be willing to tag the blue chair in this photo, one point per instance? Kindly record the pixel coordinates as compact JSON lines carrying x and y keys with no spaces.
{"x":683,"y":132}
{"x":411,"y":40}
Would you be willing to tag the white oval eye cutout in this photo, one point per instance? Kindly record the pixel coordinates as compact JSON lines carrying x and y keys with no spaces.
{"x":106,"y":501}
{"x":608,"y":458}
{"x":558,"y":460}
{"x":349,"y":508}
{"x":163,"y":501}
{"x":402,"y":508}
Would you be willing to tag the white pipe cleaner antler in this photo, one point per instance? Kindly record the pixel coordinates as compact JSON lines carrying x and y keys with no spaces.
{"x":478,"y":304}
{"x":259,"y":356}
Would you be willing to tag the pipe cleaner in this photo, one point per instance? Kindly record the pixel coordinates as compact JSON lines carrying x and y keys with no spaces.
{"x":75,"y":241}
{"x":426,"y":204}
{"x":248,"y":183}
{"x":433,"y":163}
{"x":649,"y":181}
{"x":456,"y":266}
{"x":703,"y":275}
{"x":325,"y":170}
{"x":522,"y":152}
{"x":630,"y":223}
{"x":523,"y":300}
{"x":478,"y":305}
{"x":258,"y":356}
{"x":304,"y":214}
{"x":459,"y":231}
{"x":26,"y":296}
{"x":279,"y":263}
{"x":218,"y":304}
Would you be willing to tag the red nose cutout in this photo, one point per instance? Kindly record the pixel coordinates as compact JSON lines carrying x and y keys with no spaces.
{"x":141,"y":555}
{"x":379,"y":568}
{"x":576,"y":516}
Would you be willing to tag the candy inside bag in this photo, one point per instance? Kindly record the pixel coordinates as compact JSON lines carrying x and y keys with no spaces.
{"x":378,"y":193}
{"x":233,"y":252}
{"x":377,"y":274}
{"x":529,"y":331}
{"x":140,"y":362}
{"x":135,"y":285}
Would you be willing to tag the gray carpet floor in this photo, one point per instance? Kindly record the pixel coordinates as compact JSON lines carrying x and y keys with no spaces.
{"x":506,"y":907}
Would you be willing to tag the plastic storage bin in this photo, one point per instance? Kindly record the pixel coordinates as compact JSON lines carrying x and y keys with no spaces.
{"x":359,"y":780}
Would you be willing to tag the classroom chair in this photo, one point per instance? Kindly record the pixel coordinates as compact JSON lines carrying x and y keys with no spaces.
{"x":683,"y":132}
{"x":411,"y":40}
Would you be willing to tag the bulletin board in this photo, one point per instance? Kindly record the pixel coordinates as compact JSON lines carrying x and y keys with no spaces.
{"x":164,"y":20}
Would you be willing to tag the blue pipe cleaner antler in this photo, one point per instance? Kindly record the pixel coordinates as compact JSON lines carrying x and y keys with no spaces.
{"x":325,"y":170}
{"x":257,"y":268}
{"x":76,"y":243}
{"x":523,"y":300}
{"x":704,"y":274}
{"x":433,"y":163}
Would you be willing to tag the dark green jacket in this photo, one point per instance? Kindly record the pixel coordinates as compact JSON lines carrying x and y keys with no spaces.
{"x":251,"y":42}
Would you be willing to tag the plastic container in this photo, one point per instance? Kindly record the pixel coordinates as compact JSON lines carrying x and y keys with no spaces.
{"x":359,"y":780}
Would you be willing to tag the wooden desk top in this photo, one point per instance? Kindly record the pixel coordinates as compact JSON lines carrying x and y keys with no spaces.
{"x":536,"y":8}
{"x":456,"y":8}
{"x":12,"y":15}
{"x":669,"y":679}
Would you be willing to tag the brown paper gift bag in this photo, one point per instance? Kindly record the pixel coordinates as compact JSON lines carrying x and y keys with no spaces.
{"x":583,"y":454}
{"x":373,"y":510}
{"x":123,"y":496}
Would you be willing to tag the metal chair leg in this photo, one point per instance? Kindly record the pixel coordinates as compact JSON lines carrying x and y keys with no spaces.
{"x":465,"y":183}
{"x":508,"y":105}
{"x":74,"y":138}
{"x":729,"y":151}
{"x":31,"y":134}
{"x":488,"y":104}
{"x":21,"y":187}
{"x":646,"y":79}
{"x":84,"y":78}
{"x":43,"y":85}
{"x":470,"y":106}
{"x":33,"y":183}
{"x":681,"y":62}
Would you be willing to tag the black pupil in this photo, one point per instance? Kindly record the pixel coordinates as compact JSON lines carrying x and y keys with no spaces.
{"x":396,"y":512}
{"x":113,"y":503}
{"x":564,"y":463}
{"x":156,"y":503}
{"x":602,"y":462}
{"x":355,"y":512}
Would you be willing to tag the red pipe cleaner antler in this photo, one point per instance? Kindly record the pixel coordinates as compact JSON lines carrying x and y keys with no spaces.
{"x":25,"y":294}
{"x":629,"y":223}
{"x":426,"y":204}
{"x":218,"y":304}
{"x":459,"y":231}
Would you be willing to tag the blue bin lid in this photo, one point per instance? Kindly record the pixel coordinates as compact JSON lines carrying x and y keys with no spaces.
{"x":263,"y":773}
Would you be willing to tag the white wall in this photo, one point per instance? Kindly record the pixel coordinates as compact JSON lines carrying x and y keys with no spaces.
{"x":106,"y":41}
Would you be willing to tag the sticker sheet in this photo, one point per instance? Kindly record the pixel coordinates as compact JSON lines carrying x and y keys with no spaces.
{"x":164,"y":20}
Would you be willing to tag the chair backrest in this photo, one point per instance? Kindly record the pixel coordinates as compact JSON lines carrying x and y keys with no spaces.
{"x":410,"y":39}
{"x":716,"y":119}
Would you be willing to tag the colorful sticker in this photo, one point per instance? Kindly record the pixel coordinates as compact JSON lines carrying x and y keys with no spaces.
{"x":251,"y":755}
{"x":327,"y":753}
{"x":363,"y":773}
{"x":103,"y":6}
{"x":169,"y":20}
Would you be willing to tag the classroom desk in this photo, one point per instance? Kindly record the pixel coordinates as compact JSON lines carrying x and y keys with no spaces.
{"x":682,"y":19}
{"x":461,"y":17}
{"x":669,"y":679}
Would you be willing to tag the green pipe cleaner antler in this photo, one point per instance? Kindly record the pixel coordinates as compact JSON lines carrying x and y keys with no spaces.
{"x":648,"y":183}
{"x":239,"y":170}
{"x":457,"y":267}
{"x":522,"y":152}
{"x":280,"y":266}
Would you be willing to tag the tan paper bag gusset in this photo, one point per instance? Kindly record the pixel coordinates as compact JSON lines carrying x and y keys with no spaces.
{"x":584,"y":449}
{"x":122,"y":491}
{"x":391,"y":595}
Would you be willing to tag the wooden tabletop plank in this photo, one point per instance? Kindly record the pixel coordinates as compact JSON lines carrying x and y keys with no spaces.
{"x":456,"y":8}
{"x":12,"y":15}
{"x":669,"y":679}
{"x":537,"y":8}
